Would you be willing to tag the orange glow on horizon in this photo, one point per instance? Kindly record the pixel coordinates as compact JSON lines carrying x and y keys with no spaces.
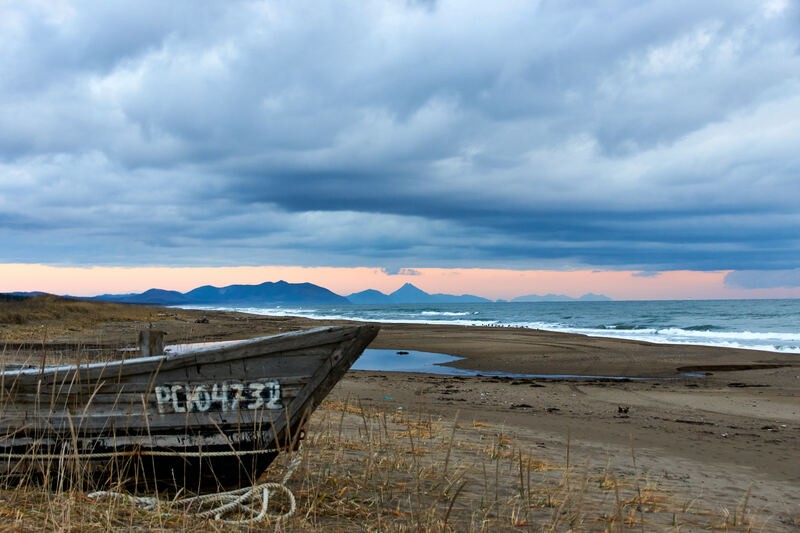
{"x":488,"y":283}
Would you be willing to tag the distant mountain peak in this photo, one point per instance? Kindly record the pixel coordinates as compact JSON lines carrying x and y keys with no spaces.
{"x":370,"y":297}
{"x":408,"y":287}
{"x":411,"y":294}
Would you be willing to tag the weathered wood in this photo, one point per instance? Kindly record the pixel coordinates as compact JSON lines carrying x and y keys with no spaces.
{"x":151,"y":342}
{"x":284,"y":345}
{"x":251,"y":396}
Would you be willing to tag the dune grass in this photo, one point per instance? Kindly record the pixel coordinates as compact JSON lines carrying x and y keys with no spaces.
{"x":48,"y":308}
{"x":44,"y":318}
{"x":388,"y":470}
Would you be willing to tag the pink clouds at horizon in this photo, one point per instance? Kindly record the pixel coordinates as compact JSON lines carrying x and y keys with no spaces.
{"x":489,"y":283}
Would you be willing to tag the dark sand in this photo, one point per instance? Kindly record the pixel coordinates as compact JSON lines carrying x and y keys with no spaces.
{"x":728,"y":436}
{"x":734,"y":429}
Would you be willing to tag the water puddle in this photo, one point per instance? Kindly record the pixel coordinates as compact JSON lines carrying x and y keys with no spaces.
{"x":374,"y":360}
{"x":408,"y":361}
{"x":434,"y":363}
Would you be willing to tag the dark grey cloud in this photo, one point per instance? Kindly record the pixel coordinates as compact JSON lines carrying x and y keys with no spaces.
{"x":646,"y":274}
{"x":400,"y":271}
{"x":761,"y":279}
{"x":654,"y":136}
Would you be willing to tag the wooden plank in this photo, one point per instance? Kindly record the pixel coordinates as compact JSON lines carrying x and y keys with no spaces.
{"x":24,"y":402}
{"x":91,"y":423}
{"x":87,"y":392}
{"x":151,"y":342}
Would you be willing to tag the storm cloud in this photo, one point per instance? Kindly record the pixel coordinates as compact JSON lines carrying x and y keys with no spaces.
{"x":759,"y":279}
{"x":651,"y":136}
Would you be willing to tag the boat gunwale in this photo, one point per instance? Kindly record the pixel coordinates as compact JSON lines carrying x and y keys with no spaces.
{"x":147,"y":364}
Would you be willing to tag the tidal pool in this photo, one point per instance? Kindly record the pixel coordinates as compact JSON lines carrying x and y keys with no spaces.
{"x":434,"y":363}
{"x":373,"y":360}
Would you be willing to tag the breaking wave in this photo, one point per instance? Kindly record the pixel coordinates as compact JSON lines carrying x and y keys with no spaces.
{"x":771,"y":325}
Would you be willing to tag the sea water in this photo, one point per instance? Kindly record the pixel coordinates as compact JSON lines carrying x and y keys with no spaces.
{"x":435,"y":363}
{"x":772,"y":325}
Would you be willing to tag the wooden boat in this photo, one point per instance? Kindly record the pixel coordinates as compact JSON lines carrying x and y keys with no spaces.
{"x":213,"y":417}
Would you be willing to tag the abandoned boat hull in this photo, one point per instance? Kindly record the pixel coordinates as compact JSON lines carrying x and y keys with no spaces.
{"x":215,"y":416}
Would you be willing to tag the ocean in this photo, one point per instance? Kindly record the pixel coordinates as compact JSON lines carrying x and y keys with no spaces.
{"x":772,"y":325}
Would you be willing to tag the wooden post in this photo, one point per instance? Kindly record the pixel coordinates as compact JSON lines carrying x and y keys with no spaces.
{"x":151,"y":342}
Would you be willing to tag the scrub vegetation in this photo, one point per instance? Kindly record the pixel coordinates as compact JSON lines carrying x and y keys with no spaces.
{"x":379,"y":470}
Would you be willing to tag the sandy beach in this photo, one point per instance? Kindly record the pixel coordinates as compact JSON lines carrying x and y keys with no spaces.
{"x":730,"y":431}
{"x":716,"y":430}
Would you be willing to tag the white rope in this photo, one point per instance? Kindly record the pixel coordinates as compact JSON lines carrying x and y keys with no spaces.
{"x":253,"y":501}
{"x":248,"y":500}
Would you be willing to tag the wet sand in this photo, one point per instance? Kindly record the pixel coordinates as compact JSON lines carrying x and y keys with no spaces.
{"x":729,"y":431}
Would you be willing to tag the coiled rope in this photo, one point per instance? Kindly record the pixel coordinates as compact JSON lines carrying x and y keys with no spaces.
{"x":252,"y":500}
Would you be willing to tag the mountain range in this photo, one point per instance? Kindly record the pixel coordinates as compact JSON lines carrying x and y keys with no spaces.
{"x":283,"y":293}
{"x":280,"y":292}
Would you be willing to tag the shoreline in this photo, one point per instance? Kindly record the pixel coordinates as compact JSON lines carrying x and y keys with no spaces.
{"x":529,"y":351}
{"x":682,"y":323}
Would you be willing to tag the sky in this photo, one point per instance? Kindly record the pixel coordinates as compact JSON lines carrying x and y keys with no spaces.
{"x":641,"y":149}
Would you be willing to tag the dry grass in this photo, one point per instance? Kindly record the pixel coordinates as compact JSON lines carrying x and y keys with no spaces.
{"x":45,"y":309}
{"x":47,"y":317}
{"x":379,"y":470}
{"x":51,"y":320}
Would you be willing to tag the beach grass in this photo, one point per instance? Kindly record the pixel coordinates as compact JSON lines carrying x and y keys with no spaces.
{"x":47,"y":318}
{"x":385,"y":469}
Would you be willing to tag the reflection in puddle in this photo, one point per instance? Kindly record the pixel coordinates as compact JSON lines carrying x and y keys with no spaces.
{"x":434,"y":363}
{"x":408,"y":361}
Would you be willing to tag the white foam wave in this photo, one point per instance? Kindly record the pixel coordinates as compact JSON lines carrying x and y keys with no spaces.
{"x":745,"y":340}
{"x":744,"y":335}
{"x":268,"y":311}
{"x":766,"y":341}
{"x":445,"y":313}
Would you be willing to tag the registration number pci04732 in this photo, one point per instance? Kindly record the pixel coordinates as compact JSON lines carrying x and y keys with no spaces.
{"x":225,"y":396}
